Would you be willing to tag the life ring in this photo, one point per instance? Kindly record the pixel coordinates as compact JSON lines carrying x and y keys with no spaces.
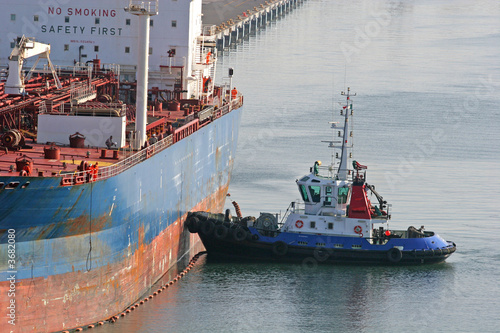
{"x":394,"y":255}
{"x":23,"y":173}
{"x":280,"y":248}
{"x":358,"y":229}
{"x":299,"y":224}
{"x":239,"y":234}
{"x":220,"y":231}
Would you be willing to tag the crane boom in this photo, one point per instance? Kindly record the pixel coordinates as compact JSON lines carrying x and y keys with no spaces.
{"x":24,"y":49}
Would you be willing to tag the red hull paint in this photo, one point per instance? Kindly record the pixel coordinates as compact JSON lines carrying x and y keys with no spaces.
{"x":80,"y":298}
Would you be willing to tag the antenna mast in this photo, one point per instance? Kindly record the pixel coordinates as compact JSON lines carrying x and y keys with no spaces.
{"x":344,"y":157}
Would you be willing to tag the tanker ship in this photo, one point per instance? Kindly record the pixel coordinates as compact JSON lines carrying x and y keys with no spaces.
{"x":94,"y":191}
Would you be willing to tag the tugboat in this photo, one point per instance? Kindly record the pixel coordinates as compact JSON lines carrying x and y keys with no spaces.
{"x":335,"y":222}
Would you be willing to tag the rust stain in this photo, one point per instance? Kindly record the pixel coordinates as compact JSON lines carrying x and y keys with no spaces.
{"x":76,"y":298}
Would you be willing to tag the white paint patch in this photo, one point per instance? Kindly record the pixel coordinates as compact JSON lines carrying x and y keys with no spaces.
{"x":111,"y":209}
{"x":129,"y":248}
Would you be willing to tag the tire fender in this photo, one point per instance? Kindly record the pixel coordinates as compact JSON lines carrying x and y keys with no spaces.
{"x":280,"y":248}
{"x":394,"y":255}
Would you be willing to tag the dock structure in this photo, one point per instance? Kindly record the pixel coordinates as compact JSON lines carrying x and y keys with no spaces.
{"x":229,"y":21}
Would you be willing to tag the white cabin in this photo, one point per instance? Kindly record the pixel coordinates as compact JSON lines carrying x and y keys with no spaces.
{"x":337,"y":203}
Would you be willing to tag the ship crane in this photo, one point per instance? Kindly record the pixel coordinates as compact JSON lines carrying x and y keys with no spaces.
{"x":24,"y":49}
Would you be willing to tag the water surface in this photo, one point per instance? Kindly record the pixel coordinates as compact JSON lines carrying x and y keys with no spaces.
{"x":427,"y":124}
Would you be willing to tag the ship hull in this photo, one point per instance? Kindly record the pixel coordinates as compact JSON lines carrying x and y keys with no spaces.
{"x":84,"y":253}
{"x":281,"y":251}
{"x":224,"y":239}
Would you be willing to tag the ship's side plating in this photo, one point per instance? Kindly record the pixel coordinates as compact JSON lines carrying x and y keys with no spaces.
{"x":84,"y":253}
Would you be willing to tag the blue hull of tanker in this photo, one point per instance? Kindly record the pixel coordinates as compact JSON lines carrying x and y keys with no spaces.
{"x":108,"y":240}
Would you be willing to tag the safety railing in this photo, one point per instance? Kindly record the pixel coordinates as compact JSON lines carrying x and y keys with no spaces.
{"x":95,"y":174}
{"x":81,"y":90}
{"x":143,"y":6}
{"x":186,"y":130}
{"x":127,"y":163}
{"x":330,"y":172}
{"x":295,"y":207}
{"x":208,"y":30}
{"x":86,"y":176}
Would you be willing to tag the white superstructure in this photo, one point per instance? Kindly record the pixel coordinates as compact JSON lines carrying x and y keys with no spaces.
{"x":81,"y":31}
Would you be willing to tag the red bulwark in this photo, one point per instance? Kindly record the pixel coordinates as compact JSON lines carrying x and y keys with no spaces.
{"x":359,"y":206}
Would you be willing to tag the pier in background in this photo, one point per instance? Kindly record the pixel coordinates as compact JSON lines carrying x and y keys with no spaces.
{"x":229,"y":21}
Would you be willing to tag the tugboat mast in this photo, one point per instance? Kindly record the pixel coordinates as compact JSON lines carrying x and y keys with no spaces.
{"x":344,"y":157}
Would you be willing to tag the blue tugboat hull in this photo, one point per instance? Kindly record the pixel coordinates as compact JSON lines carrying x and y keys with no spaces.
{"x":247,"y":243}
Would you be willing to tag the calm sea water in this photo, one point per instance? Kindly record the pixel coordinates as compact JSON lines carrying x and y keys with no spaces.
{"x":427,"y":124}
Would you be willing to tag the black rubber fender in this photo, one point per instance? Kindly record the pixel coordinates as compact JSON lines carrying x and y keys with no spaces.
{"x":207,"y":227}
{"x":280,"y":248}
{"x":239,"y":234}
{"x":394,"y":255}
{"x":252,"y":237}
{"x":193,"y":224}
{"x":321,"y":254}
{"x":220,"y":231}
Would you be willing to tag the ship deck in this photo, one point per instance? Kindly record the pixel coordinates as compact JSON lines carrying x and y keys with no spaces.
{"x":68,"y":163}
{"x":70,"y":158}
{"x":71,"y":163}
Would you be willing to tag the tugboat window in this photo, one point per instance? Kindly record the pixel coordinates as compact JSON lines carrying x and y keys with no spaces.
{"x":328,"y":196}
{"x":303,"y":192}
{"x":315,"y":193}
{"x":343,"y":192}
